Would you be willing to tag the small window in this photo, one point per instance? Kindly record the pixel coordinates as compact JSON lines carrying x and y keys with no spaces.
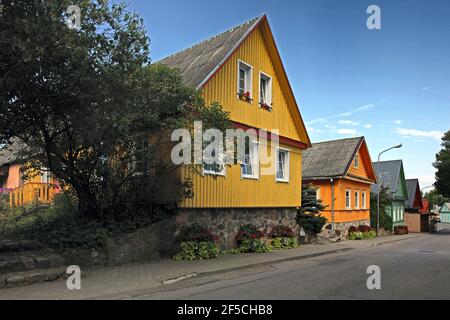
{"x":283,"y":165}
{"x":45,"y":175}
{"x":249,"y":167}
{"x":357,"y":161}
{"x":347,"y":200}
{"x":216,"y":168}
{"x":141,"y":154}
{"x":265,"y":90}
{"x":356,"y":199}
{"x":318,"y":194}
{"x":244,"y":80}
{"x":363,"y":200}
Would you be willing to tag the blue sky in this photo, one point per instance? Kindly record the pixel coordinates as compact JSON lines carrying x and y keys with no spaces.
{"x":390,"y":85}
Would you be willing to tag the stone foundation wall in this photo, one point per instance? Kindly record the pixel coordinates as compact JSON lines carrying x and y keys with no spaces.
{"x":343,"y":227}
{"x":226,"y":222}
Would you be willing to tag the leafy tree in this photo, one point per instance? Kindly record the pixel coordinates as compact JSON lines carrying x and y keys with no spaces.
{"x":385,"y":200}
{"x":87,"y":104}
{"x":442,"y":166}
{"x":435,"y":198}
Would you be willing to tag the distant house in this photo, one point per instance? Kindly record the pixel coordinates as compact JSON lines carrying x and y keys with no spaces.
{"x":392,"y":176}
{"x":414,"y":203}
{"x":342,"y":172}
{"x":445,"y":213}
{"x":39,"y":187}
{"x":426,"y":206}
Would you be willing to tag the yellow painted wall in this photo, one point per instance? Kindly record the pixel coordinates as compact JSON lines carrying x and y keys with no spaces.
{"x":231,"y":191}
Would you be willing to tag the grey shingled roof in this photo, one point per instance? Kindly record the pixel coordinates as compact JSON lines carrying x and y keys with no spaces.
{"x":329,"y":158}
{"x":388,"y":173}
{"x":411,"y":187}
{"x":198,"y":62}
{"x":8,"y":153}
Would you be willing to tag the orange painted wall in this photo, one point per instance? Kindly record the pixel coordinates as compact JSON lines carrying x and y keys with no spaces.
{"x":13,"y":180}
{"x":341,"y":213}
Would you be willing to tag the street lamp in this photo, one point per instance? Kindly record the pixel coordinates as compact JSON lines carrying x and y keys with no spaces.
{"x":378,"y":186}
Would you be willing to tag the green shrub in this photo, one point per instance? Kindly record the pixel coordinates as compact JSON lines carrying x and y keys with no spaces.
{"x":359,"y":235}
{"x":281,"y":243}
{"x":194,"y":250}
{"x":253,"y":245}
{"x":196,"y":232}
{"x":282,"y":231}
{"x":311,"y":222}
{"x":59,"y":227}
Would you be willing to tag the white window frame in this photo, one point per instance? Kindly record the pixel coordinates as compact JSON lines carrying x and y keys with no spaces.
{"x":45,"y":175}
{"x":356,"y":199}
{"x":364,"y":199}
{"x":223,"y":172}
{"x":248,"y":81}
{"x":348,"y":195}
{"x":286,"y":165}
{"x":318,"y":194}
{"x":357,"y":161}
{"x":268,"y":100}
{"x":254,"y":152}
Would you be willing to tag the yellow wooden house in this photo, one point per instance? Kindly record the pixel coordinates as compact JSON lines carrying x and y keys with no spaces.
{"x":243,"y":71}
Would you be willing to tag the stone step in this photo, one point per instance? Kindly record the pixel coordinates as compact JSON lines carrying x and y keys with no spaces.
{"x":15,"y":279}
{"x":7,"y":245}
{"x":30,"y":260}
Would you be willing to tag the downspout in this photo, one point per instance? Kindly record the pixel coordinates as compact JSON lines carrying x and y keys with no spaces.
{"x":332,"y":205}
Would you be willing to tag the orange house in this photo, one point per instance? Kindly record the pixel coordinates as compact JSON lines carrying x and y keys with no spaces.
{"x":41,"y":187}
{"x":342,"y":172}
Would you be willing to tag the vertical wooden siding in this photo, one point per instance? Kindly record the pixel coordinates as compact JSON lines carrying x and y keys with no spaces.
{"x":231,"y":190}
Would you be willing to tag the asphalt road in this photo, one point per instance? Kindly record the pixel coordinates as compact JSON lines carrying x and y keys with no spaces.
{"x":411,"y":269}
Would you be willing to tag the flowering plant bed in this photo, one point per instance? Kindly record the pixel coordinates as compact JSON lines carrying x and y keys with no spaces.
{"x":197,"y":243}
{"x":283,"y":237}
{"x":360,"y":233}
{"x":251,"y":239}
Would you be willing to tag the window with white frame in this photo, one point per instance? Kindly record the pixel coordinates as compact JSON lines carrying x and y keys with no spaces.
{"x":244,"y":79}
{"x":347,"y":199}
{"x":356,"y":199}
{"x":249,"y":167}
{"x":265,"y":89}
{"x":45,"y":175}
{"x":318,"y":194}
{"x":363,"y":200}
{"x":214,"y":166}
{"x":357,"y":161}
{"x":282,"y":165}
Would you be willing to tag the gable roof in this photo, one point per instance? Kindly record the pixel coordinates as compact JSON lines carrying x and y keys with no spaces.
{"x":199,"y":63}
{"x":330,"y":158}
{"x":389,"y":175}
{"x":412,"y":186}
{"x":8,"y":153}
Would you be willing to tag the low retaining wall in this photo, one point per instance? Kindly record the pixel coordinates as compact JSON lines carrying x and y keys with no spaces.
{"x":159,"y":239}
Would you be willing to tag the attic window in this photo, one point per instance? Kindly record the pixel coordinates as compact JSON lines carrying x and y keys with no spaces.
{"x":244,"y":84}
{"x":265,"y":91}
{"x":357,"y":161}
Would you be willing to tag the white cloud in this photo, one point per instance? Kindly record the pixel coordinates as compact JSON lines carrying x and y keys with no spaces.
{"x":435,"y":134}
{"x":344,"y":114}
{"x":368,"y":126}
{"x":349,"y":122}
{"x":347,"y":131}
{"x":398,"y":121}
{"x":426,"y":88}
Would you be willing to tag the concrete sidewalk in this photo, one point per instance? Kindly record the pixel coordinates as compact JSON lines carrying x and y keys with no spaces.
{"x":114,"y":282}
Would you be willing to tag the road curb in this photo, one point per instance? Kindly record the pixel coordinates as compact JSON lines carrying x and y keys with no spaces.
{"x":377,"y":244}
{"x":254,"y":265}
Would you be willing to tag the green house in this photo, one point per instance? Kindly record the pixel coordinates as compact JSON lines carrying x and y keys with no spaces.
{"x":444,"y":213}
{"x":392,"y":175}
